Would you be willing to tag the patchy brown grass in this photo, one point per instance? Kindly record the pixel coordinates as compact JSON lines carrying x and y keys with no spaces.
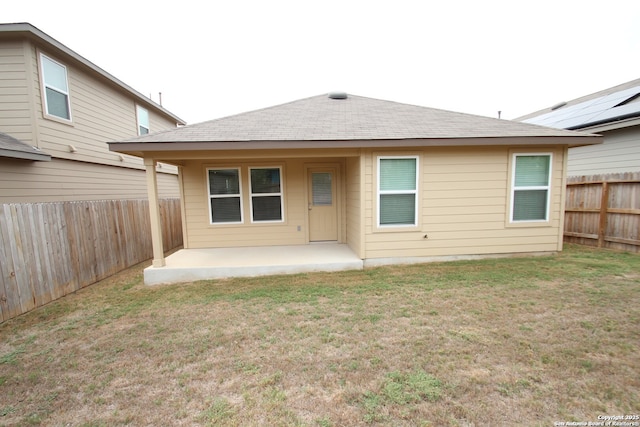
{"x":498,"y":342}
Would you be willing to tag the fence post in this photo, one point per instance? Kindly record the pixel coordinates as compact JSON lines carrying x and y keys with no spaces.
{"x":604,"y":204}
{"x":50,"y":250}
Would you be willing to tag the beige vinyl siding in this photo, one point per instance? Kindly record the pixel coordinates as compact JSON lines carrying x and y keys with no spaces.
{"x":464,"y":196}
{"x":64,"y":180}
{"x":15,"y":114}
{"x":200,"y":233}
{"x":354,"y":208}
{"x":619,"y":153}
{"x":465,"y":207}
{"x":100,"y":113}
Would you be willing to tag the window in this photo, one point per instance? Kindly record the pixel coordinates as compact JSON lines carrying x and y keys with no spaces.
{"x":225,"y":200}
{"x":143,"y":120}
{"x":266,"y":194}
{"x":397,"y":191}
{"x":56,"y":88}
{"x":321,"y":189}
{"x":531,"y":187}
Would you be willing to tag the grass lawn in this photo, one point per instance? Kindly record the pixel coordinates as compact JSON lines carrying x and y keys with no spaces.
{"x":522,"y":341}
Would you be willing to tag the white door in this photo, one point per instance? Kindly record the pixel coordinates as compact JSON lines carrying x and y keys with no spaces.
{"x":323,"y":209}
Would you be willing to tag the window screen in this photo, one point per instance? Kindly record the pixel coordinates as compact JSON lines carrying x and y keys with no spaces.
{"x":224,"y":196}
{"x":266,"y":194}
{"x":143,"y":120}
{"x":397,"y":191}
{"x":531,"y":186}
{"x":56,"y":89}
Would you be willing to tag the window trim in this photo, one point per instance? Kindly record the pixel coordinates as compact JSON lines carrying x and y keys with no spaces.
{"x":45,"y":86}
{"x":252,"y":195}
{"x":416,"y":192}
{"x":139,"y":122}
{"x":223,"y":196}
{"x":513,"y":188}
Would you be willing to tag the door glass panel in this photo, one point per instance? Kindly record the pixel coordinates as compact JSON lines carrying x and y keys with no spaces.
{"x":321,"y":189}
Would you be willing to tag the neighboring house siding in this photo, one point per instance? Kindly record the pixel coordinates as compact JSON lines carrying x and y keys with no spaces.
{"x":82,"y":167}
{"x":465,"y":207}
{"x":619,"y":153}
{"x":15,"y":115}
{"x":64,"y":180}
{"x":84,"y":186}
{"x":100,"y":113}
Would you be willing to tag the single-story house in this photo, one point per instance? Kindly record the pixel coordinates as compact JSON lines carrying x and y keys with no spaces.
{"x":384,"y":182}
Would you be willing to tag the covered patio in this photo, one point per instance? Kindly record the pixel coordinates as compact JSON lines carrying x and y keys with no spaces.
{"x":187,"y":265}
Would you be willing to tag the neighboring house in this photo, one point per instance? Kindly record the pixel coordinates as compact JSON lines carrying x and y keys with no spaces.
{"x":393,"y":182}
{"x":615,"y":114}
{"x":66,"y":109}
{"x":602,"y":195}
{"x":71,"y":211}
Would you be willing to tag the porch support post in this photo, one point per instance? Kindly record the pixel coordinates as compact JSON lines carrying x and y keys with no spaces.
{"x":154,"y":212}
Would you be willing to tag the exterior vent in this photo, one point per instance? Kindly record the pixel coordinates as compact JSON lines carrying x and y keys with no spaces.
{"x":337,"y":95}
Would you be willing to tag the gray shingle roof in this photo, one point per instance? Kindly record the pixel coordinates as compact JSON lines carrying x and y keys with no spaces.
{"x":16,"y":149}
{"x":321,"y":118}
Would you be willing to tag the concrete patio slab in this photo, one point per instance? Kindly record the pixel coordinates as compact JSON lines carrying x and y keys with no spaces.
{"x":187,"y":265}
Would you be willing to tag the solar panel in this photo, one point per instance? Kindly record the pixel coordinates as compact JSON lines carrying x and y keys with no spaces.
{"x":607,"y":107}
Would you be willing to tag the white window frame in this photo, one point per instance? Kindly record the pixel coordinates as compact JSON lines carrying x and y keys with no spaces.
{"x":222,"y":196}
{"x":46,"y":86}
{"x":139,"y":121}
{"x":281,"y":194}
{"x":382,"y":192}
{"x":533,"y":187}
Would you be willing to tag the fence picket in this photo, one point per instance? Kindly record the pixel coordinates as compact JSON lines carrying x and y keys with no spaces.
{"x":10,"y":298}
{"x":604,"y":211}
{"x":51,"y":249}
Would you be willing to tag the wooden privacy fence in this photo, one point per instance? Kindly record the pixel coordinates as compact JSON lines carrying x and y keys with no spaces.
{"x":604,"y":211}
{"x":48,"y":250}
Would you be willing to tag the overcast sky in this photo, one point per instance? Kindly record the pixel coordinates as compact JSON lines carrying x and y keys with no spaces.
{"x":212,"y":59}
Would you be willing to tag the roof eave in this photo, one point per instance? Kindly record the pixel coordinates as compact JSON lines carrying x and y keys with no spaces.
{"x":32,"y":31}
{"x":23,"y":155}
{"x":610,"y":124}
{"x":137,"y":148}
{"x":622,"y":124}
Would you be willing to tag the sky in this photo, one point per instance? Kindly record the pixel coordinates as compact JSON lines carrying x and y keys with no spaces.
{"x":215,"y":58}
